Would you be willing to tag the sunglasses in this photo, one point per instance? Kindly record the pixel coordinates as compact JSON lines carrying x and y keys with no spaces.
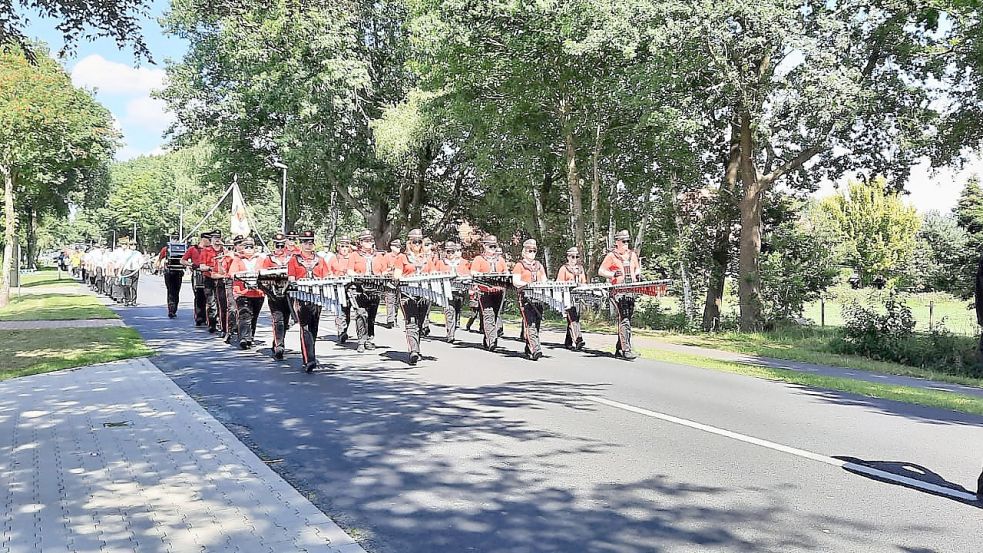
{"x":279,"y":244}
{"x":531,"y":250}
{"x":416,"y":241}
{"x":307,"y":241}
{"x":573,"y":256}
{"x":248,"y":246}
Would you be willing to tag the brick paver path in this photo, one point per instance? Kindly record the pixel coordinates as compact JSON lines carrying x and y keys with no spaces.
{"x":116,"y":457}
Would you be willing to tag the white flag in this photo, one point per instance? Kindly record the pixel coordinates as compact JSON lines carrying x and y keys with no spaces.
{"x":238,"y":223}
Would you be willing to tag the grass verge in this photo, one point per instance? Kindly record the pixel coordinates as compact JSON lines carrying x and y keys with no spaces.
{"x":46,"y":277}
{"x":55,"y":307}
{"x":918,"y":396}
{"x":26,"y":352}
{"x":807,"y":345}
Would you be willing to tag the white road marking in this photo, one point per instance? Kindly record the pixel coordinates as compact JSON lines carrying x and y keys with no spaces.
{"x":934,"y":488}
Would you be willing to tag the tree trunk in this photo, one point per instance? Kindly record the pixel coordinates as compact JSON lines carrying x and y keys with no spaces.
{"x":333,"y":221}
{"x":9,"y":233}
{"x":537,"y":213}
{"x":682,"y":249}
{"x":596,"y":241}
{"x":32,"y":237}
{"x":643,"y":225}
{"x":749,"y":277}
{"x":720,"y":247}
{"x":573,"y":179}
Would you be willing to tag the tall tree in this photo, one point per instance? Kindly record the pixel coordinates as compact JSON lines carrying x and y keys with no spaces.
{"x":878,"y":227}
{"x":53,"y":139}
{"x":822,"y":87}
{"x":117,"y":19}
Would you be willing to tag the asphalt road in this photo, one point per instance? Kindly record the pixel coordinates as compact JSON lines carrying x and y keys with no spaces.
{"x":473,"y":451}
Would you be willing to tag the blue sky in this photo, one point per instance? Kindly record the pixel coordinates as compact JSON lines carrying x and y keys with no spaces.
{"x":125,"y":89}
{"x":120,"y":85}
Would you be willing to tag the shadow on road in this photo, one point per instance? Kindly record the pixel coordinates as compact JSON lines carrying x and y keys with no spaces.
{"x":913,"y":471}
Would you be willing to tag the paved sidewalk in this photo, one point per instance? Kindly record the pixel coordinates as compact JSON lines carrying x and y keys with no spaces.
{"x":116,"y":457}
{"x":71,"y":323}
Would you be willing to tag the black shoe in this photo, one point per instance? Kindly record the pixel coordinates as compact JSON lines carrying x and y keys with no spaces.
{"x":171,"y":315}
{"x":425,"y":331}
{"x":580,"y":345}
{"x":343,"y":337}
{"x":414,"y":357}
{"x":536,"y":356}
{"x":309,"y":368}
{"x":199,"y":323}
{"x":212,"y":330}
{"x":245,"y":344}
{"x":228,"y":338}
{"x":278,"y":354}
{"x":388,"y":324}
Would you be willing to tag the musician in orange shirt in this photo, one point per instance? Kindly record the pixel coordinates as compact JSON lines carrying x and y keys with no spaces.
{"x":573,"y":271}
{"x":279,"y":303}
{"x":368,"y":263}
{"x":619,"y":267}
{"x":344,"y":264}
{"x":490,"y":298}
{"x":412,"y":263}
{"x":454,"y":264}
{"x":249,"y":300}
{"x":527,"y":271}
{"x":395,"y":247}
{"x":210,"y":261}
{"x":307,"y":265}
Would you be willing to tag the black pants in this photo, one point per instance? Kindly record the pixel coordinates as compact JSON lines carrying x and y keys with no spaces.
{"x":279,"y":314}
{"x":211,"y":303}
{"x":532,"y":318}
{"x":491,"y":316}
{"x":452,"y":315}
{"x":172,"y":281}
{"x":201,"y":315}
{"x":366,"y":309}
{"x":574,"y":337}
{"x":248,"y":313}
{"x":414,"y":311}
{"x":222,"y":300}
{"x":308,"y":316}
{"x":624,"y":307}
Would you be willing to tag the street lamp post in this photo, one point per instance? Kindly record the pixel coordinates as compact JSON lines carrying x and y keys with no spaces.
{"x":283,"y":197}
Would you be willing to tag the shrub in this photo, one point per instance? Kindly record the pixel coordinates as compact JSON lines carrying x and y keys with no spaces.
{"x":891,"y":336}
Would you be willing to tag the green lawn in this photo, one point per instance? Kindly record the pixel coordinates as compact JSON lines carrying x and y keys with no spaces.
{"x":26,"y":352}
{"x":907,"y":394}
{"x":55,"y":307}
{"x":45,"y":277}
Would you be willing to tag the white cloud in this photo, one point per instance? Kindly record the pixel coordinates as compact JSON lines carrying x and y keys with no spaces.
{"x":148,"y":113}
{"x":109,"y":77}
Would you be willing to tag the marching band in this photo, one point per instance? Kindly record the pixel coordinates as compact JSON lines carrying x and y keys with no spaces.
{"x":297,"y":283}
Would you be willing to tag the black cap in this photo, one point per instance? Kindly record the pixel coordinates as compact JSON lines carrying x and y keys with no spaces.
{"x":306,"y":236}
{"x":238,"y":239}
{"x":279,"y":238}
{"x":292,"y":235}
{"x":216,"y":234}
